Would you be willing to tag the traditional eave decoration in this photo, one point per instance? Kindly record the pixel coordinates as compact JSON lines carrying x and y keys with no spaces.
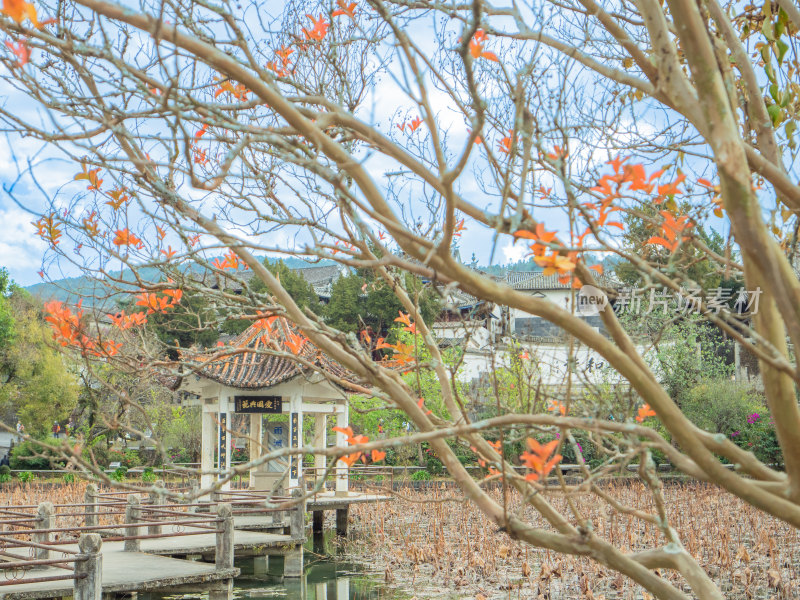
{"x":249,"y":360}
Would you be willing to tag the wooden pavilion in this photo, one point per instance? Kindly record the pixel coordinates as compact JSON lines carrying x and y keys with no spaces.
{"x":251,"y":375}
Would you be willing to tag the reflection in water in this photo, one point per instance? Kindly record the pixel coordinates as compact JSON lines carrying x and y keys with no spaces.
{"x":326,"y":576}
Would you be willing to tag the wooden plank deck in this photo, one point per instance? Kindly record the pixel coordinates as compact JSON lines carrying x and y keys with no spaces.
{"x":330,"y":501}
{"x":123,"y":572}
{"x":244,"y":542}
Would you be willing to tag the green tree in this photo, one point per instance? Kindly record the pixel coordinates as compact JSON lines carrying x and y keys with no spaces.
{"x":301,"y":290}
{"x":37,"y":385}
{"x":359,"y":300}
{"x":347,"y":308}
{"x":696,"y":265}
{"x":192,"y":322}
{"x":6,"y":318}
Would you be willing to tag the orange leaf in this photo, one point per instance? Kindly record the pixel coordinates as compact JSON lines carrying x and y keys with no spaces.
{"x":320,"y":29}
{"x":19,"y":10}
{"x":421,"y":404}
{"x":125,"y":238}
{"x":644,"y":412}
{"x":345,"y":9}
{"x":350,"y":458}
{"x":48,"y":229}
{"x":348,"y":431}
{"x":21,"y":50}
{"x":616,"y":163}
{"x":90,"y":176}
{"x":118,"y":198}
{"x":284,"y":54}
{"x":295,"y":343}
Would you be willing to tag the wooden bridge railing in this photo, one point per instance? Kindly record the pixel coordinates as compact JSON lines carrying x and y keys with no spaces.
{"x":36,"y":535}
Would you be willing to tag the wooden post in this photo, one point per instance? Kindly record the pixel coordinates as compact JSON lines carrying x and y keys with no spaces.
{"x":156,"y":498}
{"x":44,"y":520}
{"x":341,"y":520}
{"x":224,"y":553}
{"x":89,"y":572}
{"x":90,"y":498}
{"x":132,"y":513}
{"x":293,"y":559}
{"x":297,"y":517}
{"x":223,"y":557}
{"x":317,"y":519}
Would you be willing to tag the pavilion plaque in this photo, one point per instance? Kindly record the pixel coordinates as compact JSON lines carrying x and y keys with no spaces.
{"x":258,"y":404}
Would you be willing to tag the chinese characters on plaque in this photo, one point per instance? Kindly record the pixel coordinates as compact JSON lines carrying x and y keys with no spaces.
{"x":295,"y":436}
{"x":258,"y":404}
{"x":223,"y":443}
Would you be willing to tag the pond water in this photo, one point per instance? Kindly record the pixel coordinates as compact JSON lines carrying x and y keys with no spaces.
{"x":327,"y":575}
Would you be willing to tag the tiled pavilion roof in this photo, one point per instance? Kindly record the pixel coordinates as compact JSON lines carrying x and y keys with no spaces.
{"x":252,"y":363}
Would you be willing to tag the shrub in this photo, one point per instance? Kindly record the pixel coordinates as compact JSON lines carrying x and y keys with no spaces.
{"x":119,"y":474}
{"x":432,"y":462}
{"x":464,"y":455}
{"x":421,"y":476}
{"x":5,"y":470}
{"x":34,"y":456}
{"x":26,"y":476}
{"x":130,"y":458}
{"x":180,"y":455}
{"x":148,"y":476}
{"x":98,"y":450}
{"x":735,"y":410}
{"x":721,"y":405}
{"x":757,"y":435}
{"x":68,"y":477}
{"x":5,"y":477}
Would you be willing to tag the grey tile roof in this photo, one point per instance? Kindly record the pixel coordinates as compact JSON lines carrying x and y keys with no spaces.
{"x":252,"y":363}
{"x":535,"y":280}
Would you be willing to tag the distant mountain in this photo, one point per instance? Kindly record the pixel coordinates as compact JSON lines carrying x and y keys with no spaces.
{"x":94,"y":293}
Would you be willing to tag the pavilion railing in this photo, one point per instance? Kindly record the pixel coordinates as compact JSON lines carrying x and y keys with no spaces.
{"x":361,"y":478}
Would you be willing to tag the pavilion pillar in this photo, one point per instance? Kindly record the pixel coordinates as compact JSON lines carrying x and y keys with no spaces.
{"x":223,"y":441}
{"x":207,"y":445}
{"x":256,"y":443}
{"x":342,"y":478}
{"x":295,"y":439}
{"x":320,"y":441}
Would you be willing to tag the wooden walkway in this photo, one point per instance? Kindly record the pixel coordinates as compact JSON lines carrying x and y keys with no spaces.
{"x":126,"y":572}
{"x":130,"y":543}
{"x":245,"y":543}
{"x":331,"y":501}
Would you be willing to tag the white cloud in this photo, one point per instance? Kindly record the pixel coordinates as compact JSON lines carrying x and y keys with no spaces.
{"x":514,"y":252}
{"x":21,"y":251}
